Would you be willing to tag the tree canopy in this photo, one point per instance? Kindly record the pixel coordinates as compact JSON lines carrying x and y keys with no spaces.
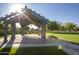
{"x":56,"y":26}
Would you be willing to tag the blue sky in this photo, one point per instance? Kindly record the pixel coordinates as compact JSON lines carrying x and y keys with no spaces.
{"x":60,"y":12}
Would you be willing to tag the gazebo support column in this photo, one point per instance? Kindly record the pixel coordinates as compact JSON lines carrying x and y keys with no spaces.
{"x":43,"y":32}
{"x":13,"y":31}
{"x":5,"y":32}
{"x":22,"y":31}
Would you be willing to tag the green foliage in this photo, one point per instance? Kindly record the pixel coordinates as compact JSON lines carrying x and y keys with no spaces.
{"x":70,"y":26}
{"x":56,"y":26}
{"x":53,"y":25}
{"x":62,"y":28}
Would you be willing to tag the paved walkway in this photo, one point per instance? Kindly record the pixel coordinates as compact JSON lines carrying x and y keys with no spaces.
{"x":70,"y":48}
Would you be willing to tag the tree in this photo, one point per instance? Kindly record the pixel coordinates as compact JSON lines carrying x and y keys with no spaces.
{"x":70,"y":26}
{"x":62,"y":28}
{"x":53,"y":25}
{"x":76,"y":28}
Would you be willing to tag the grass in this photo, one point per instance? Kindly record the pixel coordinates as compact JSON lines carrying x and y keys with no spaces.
{"x":8,"y":50}
{"x":67,"y":37}
{"x":36,"y":51}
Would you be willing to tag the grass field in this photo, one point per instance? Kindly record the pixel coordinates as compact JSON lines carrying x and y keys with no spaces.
{"x":68,"y":37}
{"x":34,"y":51}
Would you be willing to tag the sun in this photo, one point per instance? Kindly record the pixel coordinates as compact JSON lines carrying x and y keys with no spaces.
{"x":16,"y":8}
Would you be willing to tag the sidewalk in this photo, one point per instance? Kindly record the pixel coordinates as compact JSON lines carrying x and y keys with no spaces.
{"x":70,"y":48}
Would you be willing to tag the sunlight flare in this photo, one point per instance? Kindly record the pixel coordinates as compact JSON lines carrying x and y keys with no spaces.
{"x":16,"y":8}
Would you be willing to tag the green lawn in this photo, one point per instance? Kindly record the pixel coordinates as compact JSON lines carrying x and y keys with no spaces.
{"x":68,"y":37}
{"x":35,"y":51}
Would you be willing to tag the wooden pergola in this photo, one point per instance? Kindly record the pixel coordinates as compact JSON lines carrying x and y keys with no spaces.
{"x":24,"y":18}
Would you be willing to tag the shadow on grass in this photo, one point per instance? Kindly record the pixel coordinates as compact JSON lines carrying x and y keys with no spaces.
{"x":8,"y":45}
{"x":52,"y":50}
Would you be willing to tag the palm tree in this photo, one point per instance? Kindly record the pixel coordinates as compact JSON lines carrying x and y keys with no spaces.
{"x":70,"y":26}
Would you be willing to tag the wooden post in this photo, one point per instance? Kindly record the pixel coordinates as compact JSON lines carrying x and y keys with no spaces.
{"x":22,"y":30}
{"x":43,"y":32}
{"x":5,"y":31}
{"x":13,"y":31}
